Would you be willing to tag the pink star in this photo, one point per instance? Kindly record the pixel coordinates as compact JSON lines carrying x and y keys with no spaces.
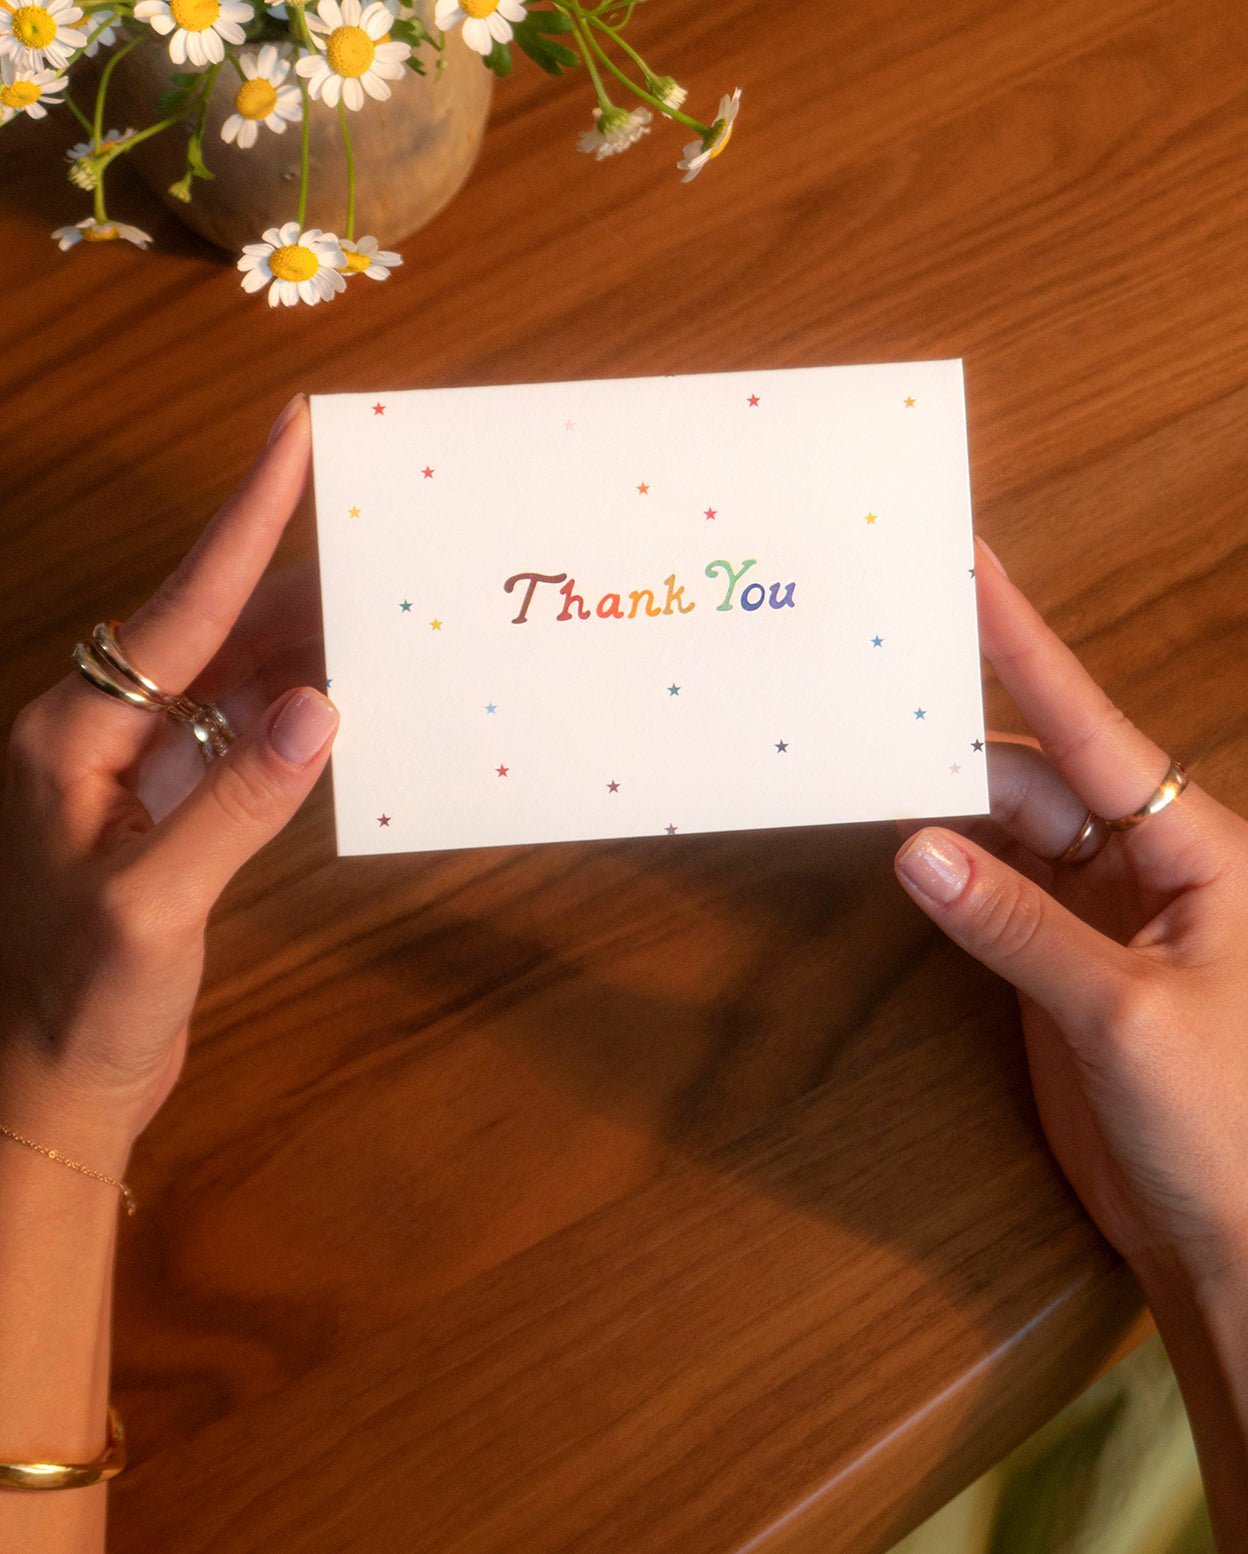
{"x":753,"y":400}
{"x":710,"y":512}
{"x":613,"y":787}
{"x":502,"y":771}
{"x":427,"y":472}
{"x":383,"y":820}
{"x":568,"y":425}
{"x":379,"y":409}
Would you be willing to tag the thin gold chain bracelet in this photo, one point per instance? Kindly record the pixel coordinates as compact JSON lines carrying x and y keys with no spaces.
{"x":74,"y":1165}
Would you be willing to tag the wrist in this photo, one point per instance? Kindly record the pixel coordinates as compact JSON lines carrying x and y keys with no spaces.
{"x":39,"y":1100}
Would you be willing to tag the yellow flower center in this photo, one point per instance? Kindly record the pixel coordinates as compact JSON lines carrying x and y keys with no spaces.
{"x":195,"y":15}
{"x":34,"y":26}
{"x":294,"y":263}
{"x":350,"y":51}
{"x":256,"y":99}
{"x":355,"y":262}
{"x":479,"y":8}
{"x":99,"y":234}
{"x":723,"y":139}
{"x":20,"y":95}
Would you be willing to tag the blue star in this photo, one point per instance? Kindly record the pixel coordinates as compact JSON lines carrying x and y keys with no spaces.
{"x":328,"y":683}
{"x":673,"y":690}
{"x":920,"y":712}
{"x":490,"y":707}
{"x":977,"y":744}
{"x":781,"y":747}
{"x":971,"y":570}
{"x":877,"y":641}
{"x":405,"y":606}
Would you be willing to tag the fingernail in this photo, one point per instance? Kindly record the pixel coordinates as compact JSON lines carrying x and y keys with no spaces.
{"x":991,"y":554}
{"x":286,"y":417}
{"x":935,"y":866}
{"x":302,"y":726}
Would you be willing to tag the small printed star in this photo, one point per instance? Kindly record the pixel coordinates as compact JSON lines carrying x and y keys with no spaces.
{"x":870,"y":517}
{"x":427,"y":472}
{"x":673,"y":690}
{"x":971,"y":570}
{"x":710,"y":512}
{"x":954,"y":769}
{"x":353,"y":512}
{"x":877,"y":641}
{"x":909,"y":402}
{"x":920,"y":712}
{"x":379,"y":409}
{"x":671,"y":830}
{"x":383,"y":820}
{"x":328,"y":683}
{"x":406,"y":606}
{"x":977,"y":744}
{"x":644,"y":489}
{"x":613,"y":787}
{"x":490,"y":707}
{"x":568,"y":425}
{"x":781,"y":746}
{"x":753,"y":400}
{"x":435,"y":625}
{"x":502,"y":771}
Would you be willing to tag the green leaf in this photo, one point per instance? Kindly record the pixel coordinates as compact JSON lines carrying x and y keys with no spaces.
{"x":178,"y":98}
{"x":414,"y":62}
{"x":499,"y":60}
{"x":535,"y":36}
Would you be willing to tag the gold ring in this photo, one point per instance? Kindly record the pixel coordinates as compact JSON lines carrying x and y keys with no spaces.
{"x":1171,"y":785}
{"x":102,"y":662}
{"x":1081,"y":836}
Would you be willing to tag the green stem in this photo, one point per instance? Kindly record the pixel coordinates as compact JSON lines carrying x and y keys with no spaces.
{"x":582,"y":33}
{"x":346,"y":146}
{"x":672,"y":113}
{"x":102,"y":93}
{"x":79,"y":115}
{"x":303,"y":154}
{"x":134,"y":140}
{"x":233,"y":59}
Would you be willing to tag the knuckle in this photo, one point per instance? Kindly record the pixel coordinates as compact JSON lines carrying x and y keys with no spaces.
{"x":1008,"y":917}
{"x":1134,"y":1008}
{"x":133,"y":918}
{"x":28,"y":737}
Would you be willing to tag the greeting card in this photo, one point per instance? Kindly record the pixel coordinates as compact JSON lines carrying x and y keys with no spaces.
{"x":649,"y":607}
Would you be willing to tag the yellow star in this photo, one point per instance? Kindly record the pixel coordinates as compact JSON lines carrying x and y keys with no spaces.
{"x":436,"y":625}
{"x":909,"y":403}
{"x":870,"y":517}
{"x":353,"y":512}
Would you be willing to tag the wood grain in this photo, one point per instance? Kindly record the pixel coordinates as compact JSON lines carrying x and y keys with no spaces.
{"x":639,"y":1197}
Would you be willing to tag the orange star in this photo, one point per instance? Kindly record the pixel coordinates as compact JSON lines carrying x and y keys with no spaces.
{"x":353,"y":512}
{"x":909,"y":403}
{"x":643,"y":488}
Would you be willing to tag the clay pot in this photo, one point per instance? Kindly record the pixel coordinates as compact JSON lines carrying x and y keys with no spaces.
{"x":412,"y":152}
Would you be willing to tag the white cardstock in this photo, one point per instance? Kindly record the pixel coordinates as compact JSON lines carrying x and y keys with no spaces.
{"x":650,"y":606}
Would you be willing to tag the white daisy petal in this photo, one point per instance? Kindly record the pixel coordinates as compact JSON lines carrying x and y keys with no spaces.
{"x":256,"y":280}
{"x":476,"y":34}
{"x":353,"y":94}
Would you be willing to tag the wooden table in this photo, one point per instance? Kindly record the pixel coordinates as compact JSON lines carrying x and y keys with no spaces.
{"x":647,"y":1197}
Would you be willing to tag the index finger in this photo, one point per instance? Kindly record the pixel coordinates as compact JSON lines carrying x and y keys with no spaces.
{"x":1108,"y":762}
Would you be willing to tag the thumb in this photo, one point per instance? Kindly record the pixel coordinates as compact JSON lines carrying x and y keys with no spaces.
{"x":1014,"y":927}
{"x":245,"y":798}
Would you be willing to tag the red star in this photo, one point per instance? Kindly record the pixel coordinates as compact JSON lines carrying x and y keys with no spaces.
{"x":753,"y":400}
{"x":710,"y":512}
{"x":379,"y":409}
{"x":643,"y":488}
{"x":613,"y":787}
{"x":502,"y":771}
{"x":383,"y":820}
{"x":427,"y":472}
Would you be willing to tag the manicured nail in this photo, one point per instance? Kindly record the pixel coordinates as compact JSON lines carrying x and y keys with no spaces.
{"x":991,"y":554}
{"x":286,"y":417}
{"x":935,"y":866}
{"x":302,"y":726}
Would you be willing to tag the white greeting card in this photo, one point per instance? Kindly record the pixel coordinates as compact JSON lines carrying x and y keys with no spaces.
{"x":649,"y":607}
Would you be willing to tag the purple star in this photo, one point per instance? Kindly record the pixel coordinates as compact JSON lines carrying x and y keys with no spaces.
{"x":671,"y":830}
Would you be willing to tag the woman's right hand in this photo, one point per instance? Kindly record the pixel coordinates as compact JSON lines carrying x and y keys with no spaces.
{"x":1131,"y":967}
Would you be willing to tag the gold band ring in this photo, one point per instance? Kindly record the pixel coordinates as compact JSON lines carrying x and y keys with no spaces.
{"x":1171,"y":785}
{"x":1081,"y":836}
{"x":71,"y":1475}
{"x":102,"y":662}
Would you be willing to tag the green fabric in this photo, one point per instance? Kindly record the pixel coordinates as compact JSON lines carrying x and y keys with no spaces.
{"x":1114,"y":1473}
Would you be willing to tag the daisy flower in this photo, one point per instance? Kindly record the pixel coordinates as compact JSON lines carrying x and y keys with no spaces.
{"x":365,"y":258}
{"x":100,"y":40}
{"x":27,"y":91}
{"x":83,"y":157}
{"x":265,"y":97}
{"x":198,"y":30}
{"x":356,"y":59}
{"x":669,"y":92}
{"x":301,"y":266}
{"x":89,"y":230}
{"x":486,"y":22}
{"x":699,"y":152}
{"x":614,"y":130}
{"x":39,"y":37}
